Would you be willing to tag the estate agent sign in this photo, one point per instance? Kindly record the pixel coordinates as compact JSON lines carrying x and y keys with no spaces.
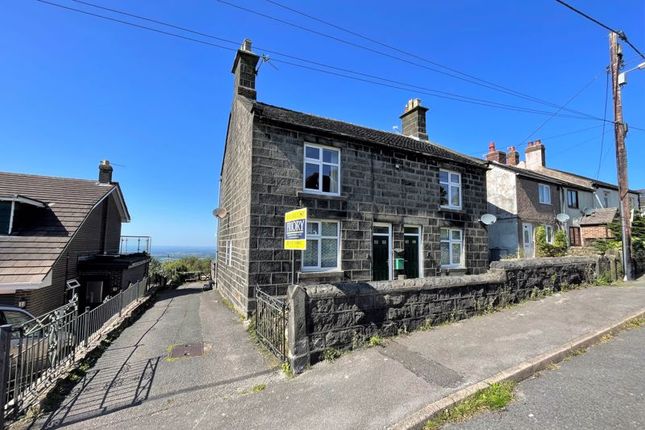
{"x":295,"y":229}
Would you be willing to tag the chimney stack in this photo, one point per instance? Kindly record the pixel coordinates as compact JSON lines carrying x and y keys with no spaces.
{"x":245,"y":71}
{"x":512,"y":156}
{"x":495,"y":155}
{"x":534,"y":155}
{"x":105,"y":172}
{"x":413,"y":120}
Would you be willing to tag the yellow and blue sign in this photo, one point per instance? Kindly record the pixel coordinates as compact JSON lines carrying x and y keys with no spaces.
{"x":295,"y":229}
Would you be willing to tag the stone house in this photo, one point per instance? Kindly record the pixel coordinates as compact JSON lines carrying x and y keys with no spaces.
{"x":372,"y":197}
{"x":522,"y":200}
{"x":579,"y":196}
{"x":60,"y":236}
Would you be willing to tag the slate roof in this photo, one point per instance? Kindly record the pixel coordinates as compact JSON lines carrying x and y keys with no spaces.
{"x":370,"y":135}
{"x":539,"y":176}
{"x":27,"y":255}
{"x":601,"y":216}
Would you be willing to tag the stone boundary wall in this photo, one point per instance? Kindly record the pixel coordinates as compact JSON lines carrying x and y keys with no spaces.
{"x":345,"y":315}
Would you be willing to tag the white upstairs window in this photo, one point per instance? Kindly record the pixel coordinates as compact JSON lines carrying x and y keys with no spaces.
{"x":321,"y":169}
{"x":450,"y":189}
{"x":544,"y":192}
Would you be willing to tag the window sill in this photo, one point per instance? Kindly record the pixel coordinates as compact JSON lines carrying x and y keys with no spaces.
{"x":452,"y":209}
{"x":312,"y":195}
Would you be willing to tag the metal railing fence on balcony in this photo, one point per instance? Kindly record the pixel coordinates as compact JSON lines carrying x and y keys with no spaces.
{"x":135,"y":244}
{"x":43,"y":349}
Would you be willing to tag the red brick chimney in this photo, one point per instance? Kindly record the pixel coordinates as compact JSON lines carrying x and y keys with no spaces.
{"x":512,"y":156}
{"x":535,"y":155}
{"x":495,"y":155}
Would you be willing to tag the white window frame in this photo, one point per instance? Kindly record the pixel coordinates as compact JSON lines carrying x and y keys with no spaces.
{"x":420,"y":236}
{"x":319,"y":238}
{"x":542,"y":189}
{"x":320,"y":164}
{"x":548,"y":232}
{"x":450,"y":242}
{"x":449,"y":186}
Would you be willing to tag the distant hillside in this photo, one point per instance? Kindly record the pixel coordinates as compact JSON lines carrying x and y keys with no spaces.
{"x":174,"y":252}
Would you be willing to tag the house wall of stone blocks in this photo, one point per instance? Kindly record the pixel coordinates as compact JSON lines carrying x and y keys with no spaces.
{"x":378,"y":184}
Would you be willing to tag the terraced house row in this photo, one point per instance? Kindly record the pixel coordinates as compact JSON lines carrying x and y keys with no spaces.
{"x":381,"y":205}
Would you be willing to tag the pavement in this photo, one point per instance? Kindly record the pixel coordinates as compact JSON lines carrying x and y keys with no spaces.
{"x":601,"y":389}
{"x":135,"y":384}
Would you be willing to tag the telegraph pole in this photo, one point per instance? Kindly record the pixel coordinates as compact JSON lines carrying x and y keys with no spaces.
{"x":616,"y":58}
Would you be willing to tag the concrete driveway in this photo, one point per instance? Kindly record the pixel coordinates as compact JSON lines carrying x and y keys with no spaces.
{"x":135,"y":384}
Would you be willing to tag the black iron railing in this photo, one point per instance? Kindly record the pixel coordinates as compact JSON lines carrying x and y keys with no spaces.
{"x":43,"y":349}
{"x":271,"y":316}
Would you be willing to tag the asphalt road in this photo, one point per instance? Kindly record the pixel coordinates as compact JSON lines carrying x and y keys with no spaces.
{"x":601,"y":389}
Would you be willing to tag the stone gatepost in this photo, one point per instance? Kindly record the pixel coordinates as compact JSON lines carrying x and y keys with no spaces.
{"x":298,"y":342}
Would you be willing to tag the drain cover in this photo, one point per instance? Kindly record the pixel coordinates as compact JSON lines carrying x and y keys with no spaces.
{"x":187,"y":350}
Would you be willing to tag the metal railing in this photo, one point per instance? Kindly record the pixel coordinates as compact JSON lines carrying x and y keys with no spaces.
{"x":271,"y":316}
{"x":42,"y":349}
{"x":135,"y":244}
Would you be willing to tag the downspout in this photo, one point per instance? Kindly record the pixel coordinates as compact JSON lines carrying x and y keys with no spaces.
{"x":13,"y":208}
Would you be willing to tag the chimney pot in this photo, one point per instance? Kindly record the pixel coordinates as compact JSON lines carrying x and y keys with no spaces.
{"x":244,"y":69}
{"x":105,"y":172}
{"x":413,"y":120}
{"x":494,"y":155}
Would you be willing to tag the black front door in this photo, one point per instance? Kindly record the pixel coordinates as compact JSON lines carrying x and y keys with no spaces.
{"x":411,"y":255}
{"x":380,"y":257}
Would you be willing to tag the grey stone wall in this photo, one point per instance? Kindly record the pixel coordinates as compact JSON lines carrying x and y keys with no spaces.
{"x":235,"y":188}
{"x":378,"y":184}
{"x":344,"y":315}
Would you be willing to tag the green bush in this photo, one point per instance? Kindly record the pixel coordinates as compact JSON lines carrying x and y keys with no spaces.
{"x":544,"y":249}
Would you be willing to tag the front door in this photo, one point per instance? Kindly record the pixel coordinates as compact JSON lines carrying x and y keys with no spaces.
{"x":411,"y":252}
{"x":527,"y":236}
{"x":381,"y":252}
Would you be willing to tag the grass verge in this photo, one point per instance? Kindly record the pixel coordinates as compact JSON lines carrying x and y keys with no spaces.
{"x":495,"y":397}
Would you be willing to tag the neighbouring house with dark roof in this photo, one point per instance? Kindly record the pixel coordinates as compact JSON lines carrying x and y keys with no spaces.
{"x":577,"y":197}
{"x":60,"y":236}
{"x":372,"y":197}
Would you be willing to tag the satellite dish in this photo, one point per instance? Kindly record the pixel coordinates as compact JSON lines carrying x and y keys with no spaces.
{"x":220,"y":213}
{"x":562,"y":217}
{"x":587,"y":211}
{"x":488,"y":219}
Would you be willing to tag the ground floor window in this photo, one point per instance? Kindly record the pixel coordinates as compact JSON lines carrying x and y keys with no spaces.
{"x":228,"y":255}
{"x":574,"y":236}
{"x":323,"y":246}
{"x":452,"y":247}
{"x":548,"y":229}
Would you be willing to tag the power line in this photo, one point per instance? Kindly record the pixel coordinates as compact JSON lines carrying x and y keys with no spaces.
{"x":397,"y":84}
{"x":620,"y":34}
{"x":562,"y":107}
{"x":475,"y":81}
{"x":602,"y":139}
{"x":437,"y":93}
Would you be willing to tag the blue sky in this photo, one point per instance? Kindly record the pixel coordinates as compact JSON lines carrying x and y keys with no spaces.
{"x":76,"y":89}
